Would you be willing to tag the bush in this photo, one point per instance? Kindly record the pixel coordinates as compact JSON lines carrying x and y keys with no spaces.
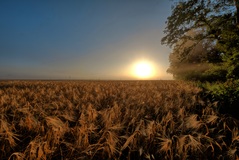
{"x":226,"y":94}
{"x":213,"y":73}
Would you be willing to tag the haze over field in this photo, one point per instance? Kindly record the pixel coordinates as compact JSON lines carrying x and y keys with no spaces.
{"x":83,"y":39}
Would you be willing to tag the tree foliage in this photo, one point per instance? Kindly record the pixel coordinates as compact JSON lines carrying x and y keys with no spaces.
{"x":204,"y":35}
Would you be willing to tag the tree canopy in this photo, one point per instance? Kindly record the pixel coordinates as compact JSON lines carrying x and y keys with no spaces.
{"x":204,"y":37}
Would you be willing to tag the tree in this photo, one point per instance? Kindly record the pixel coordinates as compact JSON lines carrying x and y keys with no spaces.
{"x":204,"y":35}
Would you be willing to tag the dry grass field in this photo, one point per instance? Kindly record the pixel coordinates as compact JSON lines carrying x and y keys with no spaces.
{"x":112,"y":120}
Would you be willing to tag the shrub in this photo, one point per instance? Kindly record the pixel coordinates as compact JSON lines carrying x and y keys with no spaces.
{"x":226,"y":94}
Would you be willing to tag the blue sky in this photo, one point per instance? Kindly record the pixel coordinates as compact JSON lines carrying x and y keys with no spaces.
{"x":81,"y":39}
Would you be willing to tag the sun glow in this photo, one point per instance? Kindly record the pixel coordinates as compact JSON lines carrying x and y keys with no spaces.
{"x":143,"y":70}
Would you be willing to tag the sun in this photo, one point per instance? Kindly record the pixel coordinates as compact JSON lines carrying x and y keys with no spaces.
{"x":143,"y":70}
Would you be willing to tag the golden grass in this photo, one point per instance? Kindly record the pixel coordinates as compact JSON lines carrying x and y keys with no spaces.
{"x":112,"y":120}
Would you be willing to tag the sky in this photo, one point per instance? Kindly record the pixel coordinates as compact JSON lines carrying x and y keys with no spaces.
{"x":82,"y":39}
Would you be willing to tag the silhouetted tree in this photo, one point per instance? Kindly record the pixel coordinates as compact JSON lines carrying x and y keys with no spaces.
{"x":204,"y":35}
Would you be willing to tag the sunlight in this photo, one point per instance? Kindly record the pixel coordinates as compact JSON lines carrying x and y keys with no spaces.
{"x":143,"y":70}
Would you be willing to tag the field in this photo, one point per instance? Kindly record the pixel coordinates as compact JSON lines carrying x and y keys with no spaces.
{"x":112,"y":120}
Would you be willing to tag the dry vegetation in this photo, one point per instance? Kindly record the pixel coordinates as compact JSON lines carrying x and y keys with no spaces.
{"x":112,"y":120}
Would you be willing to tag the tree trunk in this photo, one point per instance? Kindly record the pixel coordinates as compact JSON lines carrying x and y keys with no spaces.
{"x":237,"y":11}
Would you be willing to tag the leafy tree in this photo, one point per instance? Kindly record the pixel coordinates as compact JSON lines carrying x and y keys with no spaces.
{"x":204,"y":35}
{"x":229,"y":45}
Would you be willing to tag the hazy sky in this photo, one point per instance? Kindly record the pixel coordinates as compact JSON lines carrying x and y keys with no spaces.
{"x":81,"y":39}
